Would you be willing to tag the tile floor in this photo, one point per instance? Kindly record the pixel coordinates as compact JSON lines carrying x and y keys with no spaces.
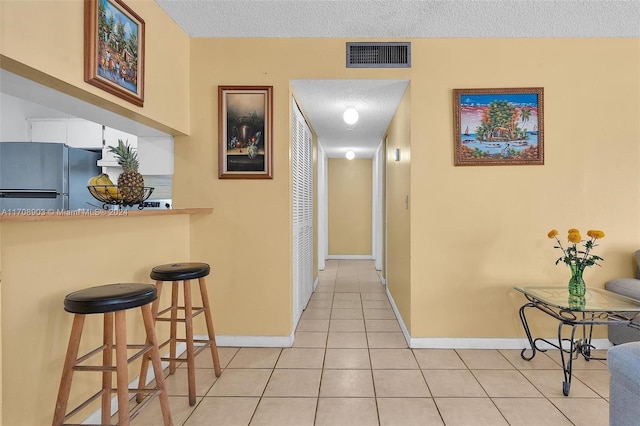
{"x":350,"y":365}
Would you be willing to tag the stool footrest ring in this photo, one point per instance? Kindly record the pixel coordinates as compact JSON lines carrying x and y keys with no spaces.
{"x":196,"y":311}
{"x":143,"y":349}
{"x":196,"y":351}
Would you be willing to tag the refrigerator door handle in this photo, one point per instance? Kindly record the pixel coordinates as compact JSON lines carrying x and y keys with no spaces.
{"x":28,"y":193}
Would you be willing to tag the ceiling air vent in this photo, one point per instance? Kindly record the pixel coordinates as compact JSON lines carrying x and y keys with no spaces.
{"x":378,"y":55}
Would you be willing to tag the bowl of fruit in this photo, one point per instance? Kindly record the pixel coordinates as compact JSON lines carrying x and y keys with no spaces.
{"x":109,"y":194}
{"x":130,"y":189}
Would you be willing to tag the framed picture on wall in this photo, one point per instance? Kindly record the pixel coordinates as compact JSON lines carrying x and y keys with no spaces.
{"x":499,"y":126}
{"x":245,"y":132}
{"x":114,"y":49}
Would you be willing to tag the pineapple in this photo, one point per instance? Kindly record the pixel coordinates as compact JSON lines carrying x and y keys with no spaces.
{"x":130,"y":181}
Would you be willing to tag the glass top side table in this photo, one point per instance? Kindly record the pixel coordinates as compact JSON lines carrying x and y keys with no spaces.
{"x":597,"y":307}
{"x":595,"y":300}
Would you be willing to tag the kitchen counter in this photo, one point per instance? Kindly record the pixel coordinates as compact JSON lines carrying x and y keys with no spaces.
{"x":32,"y":215}
{"x":43,"y":257}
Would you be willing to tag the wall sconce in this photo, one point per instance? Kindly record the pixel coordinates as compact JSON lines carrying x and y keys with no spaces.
{"x":350,"y":155}
{"x":396,"y":154}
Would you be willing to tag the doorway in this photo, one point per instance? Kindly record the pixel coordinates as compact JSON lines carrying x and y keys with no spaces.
{"x":322,"y":103}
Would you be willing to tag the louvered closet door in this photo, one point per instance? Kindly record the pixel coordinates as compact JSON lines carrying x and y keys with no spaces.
{"x":302,"y":165}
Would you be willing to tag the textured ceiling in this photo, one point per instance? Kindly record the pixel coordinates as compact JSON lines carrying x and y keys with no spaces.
{"x":323,"y":101}
{"x":405,"y":18}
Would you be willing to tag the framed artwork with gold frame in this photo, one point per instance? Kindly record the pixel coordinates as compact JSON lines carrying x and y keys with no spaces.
{"x":114,"y":49}
{"x":499,"y":126}
{"x":245,"y":132}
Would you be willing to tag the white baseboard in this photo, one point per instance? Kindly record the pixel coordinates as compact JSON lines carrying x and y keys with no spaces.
{"x":349,"y":257}
{"x":316,"y":282}
{"x":475,"y":343}
{"x":403,"y":327}
{"x":489,"y":343}
{"x":253,"y":341}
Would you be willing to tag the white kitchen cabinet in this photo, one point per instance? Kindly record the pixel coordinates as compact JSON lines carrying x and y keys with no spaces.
{"x":74,"y":132}
{"x":156,"y":155}
{"x":84,"y":134}
{"x":48,"y":131}
{"x":111,"y":137}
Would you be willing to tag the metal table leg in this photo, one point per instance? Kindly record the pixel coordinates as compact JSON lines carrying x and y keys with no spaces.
{"x":566,"y":355}
{"x":532,"y":342}
{"x":525,"y":325}
{"x":567,"y":364}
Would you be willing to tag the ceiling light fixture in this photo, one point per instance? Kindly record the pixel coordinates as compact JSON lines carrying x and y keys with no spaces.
{"x":350,"y":155}
{"x":350,"y":115}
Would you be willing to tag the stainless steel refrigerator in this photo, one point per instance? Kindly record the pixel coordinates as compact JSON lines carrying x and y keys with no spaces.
{"x":49,"y":176}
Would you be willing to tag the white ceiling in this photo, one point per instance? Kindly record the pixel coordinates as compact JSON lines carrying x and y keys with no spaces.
{"x":323,"y":101}
{"x":67,"y":106}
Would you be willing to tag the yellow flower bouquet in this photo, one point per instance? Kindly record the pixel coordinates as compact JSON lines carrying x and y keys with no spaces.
{"x":578,"y":258}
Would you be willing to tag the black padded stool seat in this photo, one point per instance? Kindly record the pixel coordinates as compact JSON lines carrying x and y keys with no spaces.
{"x":179,"y":275}
{"x":112,"y":301}
{"x":109,"y":298}
{"x":180,"y":271}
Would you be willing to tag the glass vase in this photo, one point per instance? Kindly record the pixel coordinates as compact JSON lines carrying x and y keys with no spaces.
{"x":577,"y":303}
{"x":577,"y":286}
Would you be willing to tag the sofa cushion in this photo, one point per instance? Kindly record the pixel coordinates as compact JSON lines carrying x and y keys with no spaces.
{"x":623,"y":362}
{"x":629,"y":287}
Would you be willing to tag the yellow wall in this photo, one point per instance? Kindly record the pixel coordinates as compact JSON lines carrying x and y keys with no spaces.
{"x":44,"y":41}
{"x":250,"y":235}
{"x":350,"y":183}
{"x":475,"y":231}
{"x":478,"y":231}
{"x":398,"y":174}
{"x":44,"y":261}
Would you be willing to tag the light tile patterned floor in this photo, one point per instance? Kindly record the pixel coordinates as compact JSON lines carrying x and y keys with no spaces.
{"x":350,"y":365}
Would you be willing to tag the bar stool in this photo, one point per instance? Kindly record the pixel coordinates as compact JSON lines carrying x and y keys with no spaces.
{"x":112,"y":300}
{"x":176,"y":272}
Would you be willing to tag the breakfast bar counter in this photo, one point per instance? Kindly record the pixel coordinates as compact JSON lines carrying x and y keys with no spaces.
{"x":47,"y":255}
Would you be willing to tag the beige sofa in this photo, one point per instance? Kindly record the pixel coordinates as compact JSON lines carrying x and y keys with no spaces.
{"x":623,"y":362}
{"x":629,"y":287}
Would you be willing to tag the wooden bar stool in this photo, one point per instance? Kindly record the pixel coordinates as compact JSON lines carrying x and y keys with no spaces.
{"x":184,"y":272}
{"x":112,"y":300}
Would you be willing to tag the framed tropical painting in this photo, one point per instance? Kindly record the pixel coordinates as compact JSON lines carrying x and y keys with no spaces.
{"x":499,"y":126}
{"x":244,"y":132}
{"x":114,"y":49}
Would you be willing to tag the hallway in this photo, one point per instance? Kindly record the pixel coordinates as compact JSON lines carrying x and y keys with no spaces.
{"x":350,"y":365}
